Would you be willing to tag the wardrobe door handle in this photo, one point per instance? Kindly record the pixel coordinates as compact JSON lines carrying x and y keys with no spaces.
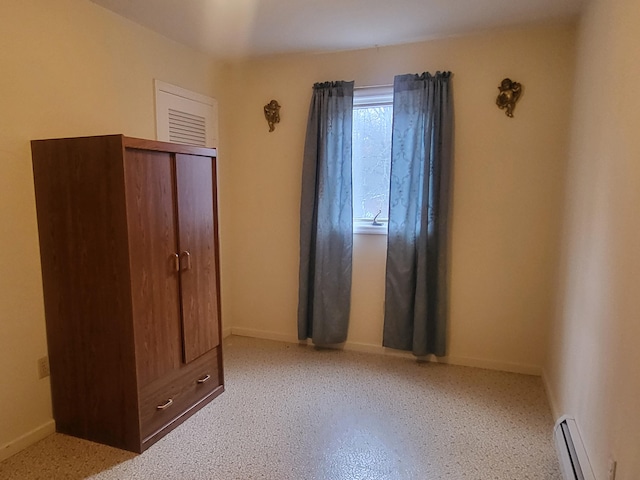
{"x":187,"y":255}
{"x":165,"y":405}
{"x":176,"y":261}
{"x":206,"y":378}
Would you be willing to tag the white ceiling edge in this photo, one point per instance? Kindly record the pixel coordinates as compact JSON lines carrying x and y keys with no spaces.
{"x":235,"y":29}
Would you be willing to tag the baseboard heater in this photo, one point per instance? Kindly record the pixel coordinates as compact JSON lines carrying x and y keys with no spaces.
{"x":572,"y":455}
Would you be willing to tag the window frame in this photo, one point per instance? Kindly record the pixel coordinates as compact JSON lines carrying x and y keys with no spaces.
{"x":380,"y":95}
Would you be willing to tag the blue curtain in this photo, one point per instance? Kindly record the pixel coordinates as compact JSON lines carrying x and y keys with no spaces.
{"x":326,"y":217}
{"x":416,"y":275}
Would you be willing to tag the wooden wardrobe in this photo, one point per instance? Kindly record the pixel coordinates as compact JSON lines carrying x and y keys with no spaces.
{"x":129,"y":252}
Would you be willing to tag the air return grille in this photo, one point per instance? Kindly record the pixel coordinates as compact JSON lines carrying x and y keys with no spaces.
{"x":187,"y":128}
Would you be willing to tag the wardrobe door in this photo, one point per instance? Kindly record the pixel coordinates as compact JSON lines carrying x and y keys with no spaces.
{"x":153,"y":263}
{"x":198,"y":255}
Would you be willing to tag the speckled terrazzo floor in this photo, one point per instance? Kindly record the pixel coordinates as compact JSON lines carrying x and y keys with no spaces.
{"x":294,"y":412}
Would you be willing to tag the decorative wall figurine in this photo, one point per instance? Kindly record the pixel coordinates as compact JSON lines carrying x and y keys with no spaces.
{"x":272,"y":114}
{"x":509,"y":94}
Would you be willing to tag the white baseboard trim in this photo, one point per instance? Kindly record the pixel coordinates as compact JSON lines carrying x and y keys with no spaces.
{"x":26,"y":440}
{"x":380,"y":350}
{"x":264,"y":334}
{"x":496,"y":365}
{"x":551,"y":398}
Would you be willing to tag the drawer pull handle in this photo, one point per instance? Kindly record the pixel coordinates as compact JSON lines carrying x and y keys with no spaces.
{"x":165,"y":405}
{"x":204,"y":379}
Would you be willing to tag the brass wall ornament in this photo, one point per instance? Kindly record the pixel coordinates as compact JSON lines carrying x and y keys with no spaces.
{"x":509,"y":94}
{"x":272,"y":114}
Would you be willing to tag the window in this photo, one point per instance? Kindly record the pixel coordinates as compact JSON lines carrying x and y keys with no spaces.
{"x":371,"y":147}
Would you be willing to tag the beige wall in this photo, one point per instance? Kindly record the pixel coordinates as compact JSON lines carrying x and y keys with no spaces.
{"x":69,"y":68}
{"x":72,"y":68}
{"x":508,"y":180}
{"x":593,"y":369}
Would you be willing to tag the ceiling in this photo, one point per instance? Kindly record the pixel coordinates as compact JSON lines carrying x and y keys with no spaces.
{"x":229,"y":29}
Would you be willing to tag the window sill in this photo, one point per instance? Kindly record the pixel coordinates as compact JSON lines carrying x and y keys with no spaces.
{"x":366,"y":228}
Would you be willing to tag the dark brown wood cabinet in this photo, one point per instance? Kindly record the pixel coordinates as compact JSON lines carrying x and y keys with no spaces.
{"x":129,"y":253}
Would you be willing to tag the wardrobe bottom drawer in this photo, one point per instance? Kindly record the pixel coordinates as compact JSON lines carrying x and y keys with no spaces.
{"x":169,"y":398}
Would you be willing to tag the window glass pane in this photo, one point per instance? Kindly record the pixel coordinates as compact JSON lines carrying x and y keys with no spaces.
{"x":371,"y":161}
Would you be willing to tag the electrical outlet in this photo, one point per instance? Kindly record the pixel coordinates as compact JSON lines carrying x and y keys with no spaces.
{"x":612,"y":469}
{"x":43,"y":367}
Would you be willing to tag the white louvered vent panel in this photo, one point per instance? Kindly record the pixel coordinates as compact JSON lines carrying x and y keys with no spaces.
{"x":186,"y":117}
{"x":187,"y":128}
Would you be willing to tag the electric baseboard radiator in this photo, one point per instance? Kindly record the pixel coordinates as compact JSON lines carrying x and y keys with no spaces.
{"x":572,"y":455}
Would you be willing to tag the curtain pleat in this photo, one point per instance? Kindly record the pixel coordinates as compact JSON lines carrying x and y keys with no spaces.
{"x":326,"y":217}
{"x":421,"y":156}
